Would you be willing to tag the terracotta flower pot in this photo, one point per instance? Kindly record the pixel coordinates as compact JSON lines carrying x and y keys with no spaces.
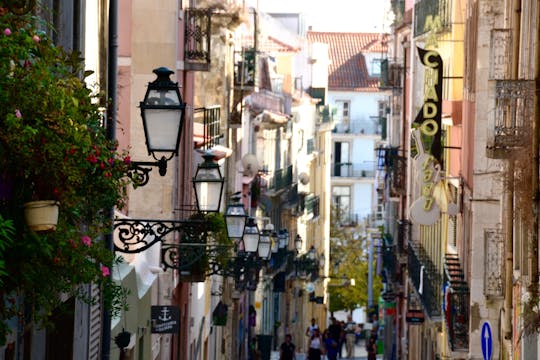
{"x":41,"y":215}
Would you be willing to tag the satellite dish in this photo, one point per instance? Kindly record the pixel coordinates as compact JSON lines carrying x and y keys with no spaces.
{"x":250,"y":165}
{"x":303,"y":178}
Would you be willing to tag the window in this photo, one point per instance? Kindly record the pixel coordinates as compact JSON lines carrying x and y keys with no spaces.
{"x":342,"y":164}
{"x":376,"y":67}
{"x":341,"y":197}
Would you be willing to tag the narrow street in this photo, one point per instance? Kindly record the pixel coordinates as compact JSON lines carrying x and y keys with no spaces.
{"x":359,"y":353}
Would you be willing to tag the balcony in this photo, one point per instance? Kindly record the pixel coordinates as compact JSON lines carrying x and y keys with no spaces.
{"x":280,"y":179}
{"x":312,"y":203}
{"x":326,"y":113}
{"x":456,"y":304}
{"x":390,"y":75}
{"x":389,"y":258}
{"x":404,"y":235}
{"x":206,"y":127}
{"x":354,"y":170}
{"x":357,"y":126}
{"x":426,"y":280}
{"x":432,"y":15}
{"x":197,"y":39}
{"x":511,"y":120}
{"x":245,"y":69}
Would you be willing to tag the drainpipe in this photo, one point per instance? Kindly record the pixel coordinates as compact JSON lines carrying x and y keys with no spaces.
{"x":112,"y":63}
{"x":535,"y":185}
{"x":509,"y":191}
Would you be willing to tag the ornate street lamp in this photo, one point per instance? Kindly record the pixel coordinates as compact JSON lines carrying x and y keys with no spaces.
{"x":162,"y":112}
{"x":251,"y":236}
{"x":235,"y":218}
{"x":312,"y":253}
{"x":298,"y":243}
{"x":265,"y":244}
{"x":322,"y":260}
{"x":283,"y":238}
{"x":208,"y":183}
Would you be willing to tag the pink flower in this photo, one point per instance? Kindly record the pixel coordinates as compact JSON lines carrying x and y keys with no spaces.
{"x":92,"y":158}
{"x":18,"y":113}
{"x":111,"y":161}
{"x":36,"y":39}
{"x":7,"y":31}
{"x":105,"y":271}
{"x":127,"y":160}
{"x":86,"y":240}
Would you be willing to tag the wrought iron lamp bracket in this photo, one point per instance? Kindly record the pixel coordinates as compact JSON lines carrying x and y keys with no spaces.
{"x":139,"y":171}
{"x":136,"y":235}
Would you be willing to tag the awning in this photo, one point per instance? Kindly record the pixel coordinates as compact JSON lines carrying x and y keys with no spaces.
{"x":271,"y":117}
{"x":220,"y":152}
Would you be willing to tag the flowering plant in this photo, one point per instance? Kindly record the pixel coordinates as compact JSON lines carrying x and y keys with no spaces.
{"x":53,"y":147}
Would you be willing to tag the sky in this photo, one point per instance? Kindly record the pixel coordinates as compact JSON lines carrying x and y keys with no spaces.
{"x":335,"y":15}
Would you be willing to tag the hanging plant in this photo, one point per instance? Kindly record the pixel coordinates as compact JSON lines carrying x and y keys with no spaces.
{"x":53,"y":147}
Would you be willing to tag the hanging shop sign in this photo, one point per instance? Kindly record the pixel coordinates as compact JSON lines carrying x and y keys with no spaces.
{"x":414,"y":317}
{"x":165,"y":319}
{"x":427,"y":138}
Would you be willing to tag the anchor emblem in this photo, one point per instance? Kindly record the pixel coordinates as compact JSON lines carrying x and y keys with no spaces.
{"x":165,"y":315}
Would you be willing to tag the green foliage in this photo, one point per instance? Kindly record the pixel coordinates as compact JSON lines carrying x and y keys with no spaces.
{"x":53,"y":147}
{"x":349,"y":260}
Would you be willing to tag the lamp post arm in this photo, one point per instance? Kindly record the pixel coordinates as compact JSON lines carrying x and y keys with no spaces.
{"x":136,"y":235}
{"x":139,"y":171}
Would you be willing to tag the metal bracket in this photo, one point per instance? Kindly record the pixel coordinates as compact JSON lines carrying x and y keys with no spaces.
{"x":139,"y":171}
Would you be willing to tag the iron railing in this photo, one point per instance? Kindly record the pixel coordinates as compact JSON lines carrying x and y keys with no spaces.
{"x":404,"y":235}
{"x":210,"y":118}
{"x":280,"y":179}
{"x":511,"y":118}
{"x":426,"y":280}
{"x":245,"y":68}
{"x":312,"y":203}
{"x":456,"y":304}
{"x":432,"y":15}
{"x":358,"y":170}
{"x":197,"y":38}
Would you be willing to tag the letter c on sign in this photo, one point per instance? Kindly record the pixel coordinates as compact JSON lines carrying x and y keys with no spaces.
{"x":427,"y":62}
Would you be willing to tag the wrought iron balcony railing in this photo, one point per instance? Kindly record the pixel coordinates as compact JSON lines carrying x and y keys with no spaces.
{"x":358,"y":170}
{"x":456,"y":304}
{"x":280,"y":179}
{"x":210,"y":119}
{"x":432,"y":15}
{"x":326,"y":113}
{"x":389,"y":258}
{"x":312,"y":205}
{"x":426,"y":280}
{"x":245,"y":68}
{"x":197,"y":38}
{"x":511,"y":124}
{"x":390,"y":75}
{"x":404,"y":235}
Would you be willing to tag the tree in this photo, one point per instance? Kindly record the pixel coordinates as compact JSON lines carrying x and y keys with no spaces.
{"x":349,"y":260}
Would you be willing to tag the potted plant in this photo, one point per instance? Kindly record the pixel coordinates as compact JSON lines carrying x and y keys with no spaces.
{"x":214,"y":232}
{"x":54,"y":148}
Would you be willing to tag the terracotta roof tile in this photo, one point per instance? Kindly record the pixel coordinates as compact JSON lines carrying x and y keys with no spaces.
{"x":348,"y":69}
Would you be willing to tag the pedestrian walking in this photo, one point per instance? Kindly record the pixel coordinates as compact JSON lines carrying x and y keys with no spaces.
{"x":331,"y":347}
{"x":350,"y":336}
{"x":311,"y":327}
{"x":371,"y":348}
{"x":316,"y":346}
{"x":287,"y":350}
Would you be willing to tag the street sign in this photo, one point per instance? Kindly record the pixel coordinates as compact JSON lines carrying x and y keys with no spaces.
{"x":165,"y":319}
{"x":487,"y":341}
